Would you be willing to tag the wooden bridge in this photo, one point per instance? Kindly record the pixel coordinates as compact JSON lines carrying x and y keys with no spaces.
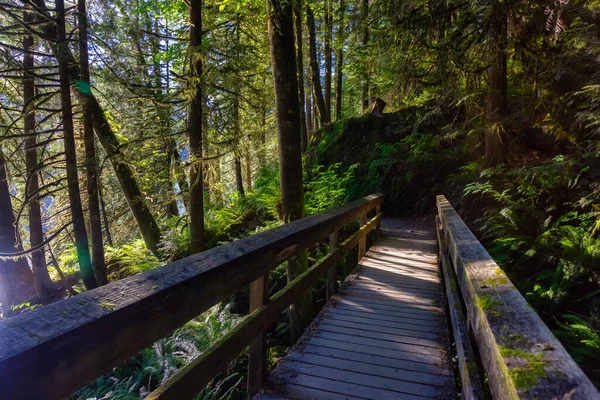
{"x":425,"y":294}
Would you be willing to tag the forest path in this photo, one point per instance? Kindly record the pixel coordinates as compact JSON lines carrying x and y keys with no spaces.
{"x":384,"y":336}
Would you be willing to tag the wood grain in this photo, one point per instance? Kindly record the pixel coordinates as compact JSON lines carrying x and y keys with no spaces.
{"x":52,"y":351}
{"x":520,"y":355}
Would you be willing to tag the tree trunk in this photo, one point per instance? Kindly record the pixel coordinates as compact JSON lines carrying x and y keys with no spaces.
{"x":364,"y":20}
{"x":495,"y":138}
{"x":135,"y":198}
{"x":239,"y":180}
{"x":328,"y":55}
{"x":339,"y":62}
{"x":104,"y":216}
{"x":90,"y":153}
{"x":300,"y":70}
{"x":262,"y":153}
{"x":248,"y":171}
{"x":196,"y":207}
{"x":42,"y":282}
{"x":309,"y":107}
{"x":81,"y":239}
{"x":315,"y":75}
{"x":16,"y":279}
{"x":285,"y":78}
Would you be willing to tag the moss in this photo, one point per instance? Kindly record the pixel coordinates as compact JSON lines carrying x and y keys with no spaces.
{"x":496,"y":281}
{"x":107,"y":306}
{"x":515,"y":339}
{"x":452,"y":284}
{"x":489,"y":305}
{"x":525,"y":376}
{"x":155,"y":287}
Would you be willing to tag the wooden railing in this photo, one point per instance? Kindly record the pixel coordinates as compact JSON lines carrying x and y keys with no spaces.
{"x":518,"y":353}
{"x":52,"y":351}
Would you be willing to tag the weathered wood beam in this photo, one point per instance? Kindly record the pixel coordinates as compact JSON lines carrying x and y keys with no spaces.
{"x":520,"y":355}
{"x":188,"y":381}
{"x":52,"y":351}
{"x":472,"y":388}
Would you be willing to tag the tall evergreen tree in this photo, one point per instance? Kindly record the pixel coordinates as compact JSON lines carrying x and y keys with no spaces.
{"x":285,"y":78}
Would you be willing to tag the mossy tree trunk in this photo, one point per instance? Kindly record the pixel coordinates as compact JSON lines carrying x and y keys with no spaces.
{"x":41,"y":279}
{"x":79,"y":231}
{"x":90,"y":153}
{"x":339,"y":61}
{"x":300,"y":71}
{"x":196,"y":203}
{"x":315,"y":72}
{"x":106,"y":136}
{"x":283,"y":60}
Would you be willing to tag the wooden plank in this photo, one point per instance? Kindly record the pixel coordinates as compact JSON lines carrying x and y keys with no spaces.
{"x":405,"y":324}
{"x":89,"y":334}
{"x":371,"y":355}
{"x":426,"y":296}
{"x":391,"y":304}
{"x":316,"y":356}
{"x":371,"y":381}
{"x":398,"y":309}
{"x":257,"y":352}
{"x":195,"y":375}
{"x":412,"y":352}
{"x":521,"y":356}
{"x":375,"y":327}
{"x":296,"y":384}
{"x":472,"y":387}
{"x":334,"y":240}
{"x":426,"y":345}
{"x":362,"y":244}
{"x":404,"y":320}
{"x":365,"y":281}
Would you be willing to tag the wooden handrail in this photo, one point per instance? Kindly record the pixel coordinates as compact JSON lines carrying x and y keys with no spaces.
{"x":521,"y":357}
{"x":52,"y":351}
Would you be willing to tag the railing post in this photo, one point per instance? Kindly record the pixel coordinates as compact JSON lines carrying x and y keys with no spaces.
{"x":362,"y":243}
{"x":334,"y":239}
{"x":257,"y":352}
{"x":378,"y":229}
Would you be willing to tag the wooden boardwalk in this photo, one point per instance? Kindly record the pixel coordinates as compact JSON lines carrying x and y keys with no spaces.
{"x":385,"y":336}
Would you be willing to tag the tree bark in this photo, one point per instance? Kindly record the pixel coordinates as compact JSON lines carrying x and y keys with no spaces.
{"x":496,"y":107}
{"x":328,"y":55}
{"x":364,"y":20}
{"x":135,"y":198}
{"x":300,"y":71}
{"x":90,"y":152}
{"x":81,"y":239}
{"x":309,"y":108}
{"x":104,"y":216}
{"x":239,"y":180}
{"x":16,"y":279}
{"x":196,"y":207}
{"x":285,"y":78}
{"x":41,"y":279}
{"x":315,"y":75}
{"x":339,"y":61}
{"x":248,"y":171}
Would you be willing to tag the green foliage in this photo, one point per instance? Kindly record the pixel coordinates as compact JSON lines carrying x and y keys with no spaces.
{"x":153,"y":366}
{"x":129,"y":259}
{"x":328,"y":188}
{"x":580,"y":338}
